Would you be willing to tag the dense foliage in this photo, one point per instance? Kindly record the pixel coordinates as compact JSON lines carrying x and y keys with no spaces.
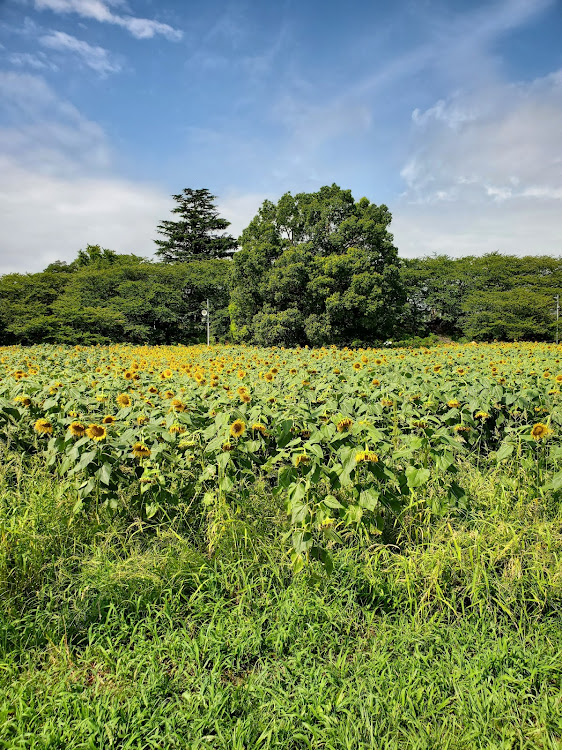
{"x":494,"y":296}
{"x":199,"y":233}
{"x":314,"y":269}
{"x":169,"y":517}
{"x":349,"y":438}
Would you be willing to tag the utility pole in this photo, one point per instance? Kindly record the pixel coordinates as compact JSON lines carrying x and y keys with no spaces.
{"x":557,"y":315}
{"x":206,"y":314}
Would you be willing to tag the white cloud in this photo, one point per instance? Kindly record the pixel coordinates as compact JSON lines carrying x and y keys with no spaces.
{"x":96,"y":58}
{"x":501,"y":142}
{"x":45,"y":133}
{"x":519,"y":227}
{"x":28,"y":60}
{"x":46,"y":218}
{"x":57,"y":193}
{"x":141,"y":28}
{"x":486,"y":173}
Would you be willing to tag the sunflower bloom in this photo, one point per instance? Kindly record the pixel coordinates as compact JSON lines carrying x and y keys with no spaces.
{"x":140,"y":450}
{"x":124,"y":400}
{"x":344,"y":425}
{"x":237,"y":428}
{"x":43,"y":427}
{"x":77,"y":429}
{"x":367,"y":457}
{"x":453,"y":403}
{"x":108,"y":419}
{"x":96,"y":432}
{"x":23,"y":400}
{"x":303,"y":459}
{"x":540,"y":431}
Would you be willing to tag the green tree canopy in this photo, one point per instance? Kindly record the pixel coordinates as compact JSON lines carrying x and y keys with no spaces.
{"x":316,"y":268}
{"x":493,"y":296}
{"x":198,"y":234}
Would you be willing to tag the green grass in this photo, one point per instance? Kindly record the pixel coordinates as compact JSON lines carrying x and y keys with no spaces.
{"x":117,"y":634}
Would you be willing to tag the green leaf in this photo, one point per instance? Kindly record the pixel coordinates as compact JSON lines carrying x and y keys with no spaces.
{"x":85,"y":460}
{"x":504,"y":451}
{"x":353,"y":514}
{"x":302,"y":541}
{"x":296,"y":492}
{"x":299,"y":512}
{"x":556,"y":482}
{"x":297,"y":562}
{"x":151,"y":509}
{"x":369,"y":499}
{"x":104,"y":473}
{"x":226,"y":484}
{"x":416,"y":477}
{"x":332,"y":502}
{"x":331,"y":534}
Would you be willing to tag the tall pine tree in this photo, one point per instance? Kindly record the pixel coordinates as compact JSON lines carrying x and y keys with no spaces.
{"x":198,"y":234}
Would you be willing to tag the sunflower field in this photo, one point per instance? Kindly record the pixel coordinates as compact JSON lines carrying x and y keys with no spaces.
{"x":351,"y":442}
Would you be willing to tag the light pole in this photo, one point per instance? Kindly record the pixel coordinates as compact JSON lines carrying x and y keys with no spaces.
{"x":207,"y":317}
{"x":557,"y":315}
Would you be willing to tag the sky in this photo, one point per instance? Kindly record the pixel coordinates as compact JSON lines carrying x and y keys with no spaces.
{"x":447,"y":111}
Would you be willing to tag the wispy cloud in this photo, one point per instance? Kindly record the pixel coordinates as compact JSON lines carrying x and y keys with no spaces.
{"x":46,"y":133}
{"x":485,"y":173}
{"x":55,"y":166}
{"x":141,"y":28}
{"x":28,"y":60}
{"x":455,"y":51}
{"x":96,"y":58}
{"x":500,"y":142}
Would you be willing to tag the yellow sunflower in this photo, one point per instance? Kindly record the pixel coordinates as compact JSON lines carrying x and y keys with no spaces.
{"x":43,"y":427}
{"x":237,"y":428}
{"x":108,"y":419}
{"x":96,"y":432}
{"x":140,"y":450}
{"x":367,"y":456}
{"x":77,"y":429}
{"x":540,"y":431}
{"x":302,"y":458}
{"x":23,"y":400}
{"x":344,"y":425}
{"x":124,"y":400}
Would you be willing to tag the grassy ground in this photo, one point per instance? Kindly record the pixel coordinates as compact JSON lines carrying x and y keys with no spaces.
{"x":116,"y":634}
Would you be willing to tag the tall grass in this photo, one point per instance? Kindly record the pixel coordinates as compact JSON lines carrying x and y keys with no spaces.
{"x":116,"y":633}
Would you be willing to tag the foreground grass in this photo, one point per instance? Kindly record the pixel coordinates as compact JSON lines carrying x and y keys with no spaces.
{"x":116,"y":634}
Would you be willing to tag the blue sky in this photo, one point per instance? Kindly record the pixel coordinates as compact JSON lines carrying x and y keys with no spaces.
{"x":449,"y":112}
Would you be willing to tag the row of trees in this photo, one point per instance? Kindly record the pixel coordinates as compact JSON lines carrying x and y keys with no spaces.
{"x":314,"y":268}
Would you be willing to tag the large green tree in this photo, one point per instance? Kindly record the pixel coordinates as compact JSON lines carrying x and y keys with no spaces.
{"x":316,"y":268}
{"x":493,"y":296}
{"x":199,"y":233}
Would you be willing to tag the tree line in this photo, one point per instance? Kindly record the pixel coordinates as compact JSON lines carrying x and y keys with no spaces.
{"x":312,"y":269}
